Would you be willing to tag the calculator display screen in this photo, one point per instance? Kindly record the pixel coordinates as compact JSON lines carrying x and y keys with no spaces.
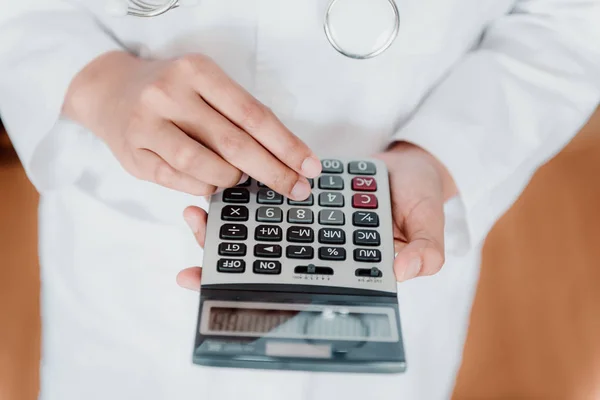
{"x":311,"y":322}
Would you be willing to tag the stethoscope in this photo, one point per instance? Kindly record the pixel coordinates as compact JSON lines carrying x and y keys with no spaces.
{"x":358,"y":29}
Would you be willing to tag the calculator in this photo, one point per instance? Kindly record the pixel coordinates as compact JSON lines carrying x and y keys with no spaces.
{"x":302,"y":285}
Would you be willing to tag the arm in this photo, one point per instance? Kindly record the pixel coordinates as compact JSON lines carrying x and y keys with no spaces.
{"x":511,"y":104}
{"x":44,"y":44}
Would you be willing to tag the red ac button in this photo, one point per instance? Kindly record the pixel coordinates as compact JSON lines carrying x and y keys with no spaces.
{"x":362,"y":200}
{"x":364,"y":184}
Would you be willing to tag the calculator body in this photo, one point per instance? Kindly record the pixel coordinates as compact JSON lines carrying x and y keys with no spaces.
{"x":303,"y":285}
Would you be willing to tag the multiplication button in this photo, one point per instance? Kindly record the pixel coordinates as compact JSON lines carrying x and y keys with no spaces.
{"x":301,"y":252}
{"x":300,"y":234}
{"x":334,"y":182}
{"x":366,"y":237}
{"x":331,"y":217}
{"x":331,"y":199}
{"x":332,"y":236}
{"x":367,"y":255}
{"x":300,"y":216}
{"x":332,"y":167}
{"x":231,"y":266}
{"x":236,"y":195}
{"x":268,"y":233}
{"x":268,"y":196}
{"x":362,"y":168}
{"x":232,"y":249}
{"x":365,"y":218}
{"x":234,"y":213}
{"x":332,"y":253}
{"x":233,"y":232}
{"x":269,"y":214}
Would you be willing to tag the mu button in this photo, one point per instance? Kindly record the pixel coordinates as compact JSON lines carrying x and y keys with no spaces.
{"x":267,"y":267}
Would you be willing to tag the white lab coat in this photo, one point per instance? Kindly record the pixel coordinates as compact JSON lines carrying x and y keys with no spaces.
{"x":492,"y":108}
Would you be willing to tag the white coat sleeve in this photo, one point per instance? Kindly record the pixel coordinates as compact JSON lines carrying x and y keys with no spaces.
{"x":43,"y":45}
{"x":509,"y":106}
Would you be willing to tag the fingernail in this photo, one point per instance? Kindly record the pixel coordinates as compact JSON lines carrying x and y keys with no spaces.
{"x":301,"y":190}
{"x":192,"y":223}
{"x":311,"y":167}
{"x":413,"y":268}
{"x":243,"y":179}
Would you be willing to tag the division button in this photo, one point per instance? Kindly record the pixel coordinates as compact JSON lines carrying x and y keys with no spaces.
{"x":332,"y":253}
{"x":231,"y":266}
{"x":334,"y":182}
{"x":269,"y":233}
{"x":367,"y":255}
{"x":362,"y":184}
{"x":267,"y":250}
{"x":331,"y":217}
{"x":232,"y":249}
{"x":364,"y":200}
{"x":236,"y":195}
{"x":332,"y":167}
{"x":233,"y":232}
{"x":267,"y":267}
{"x":300,"y":234}
{"x":332,"y":236}
{"x":366,"y":237}
{"x":362,"y":168}
{"x":365,"y":218}
{"x":300,"y":252}
{"x":234,"y":213}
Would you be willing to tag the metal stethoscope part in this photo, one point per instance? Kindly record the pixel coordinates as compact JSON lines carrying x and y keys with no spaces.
{"x":358,"y":29}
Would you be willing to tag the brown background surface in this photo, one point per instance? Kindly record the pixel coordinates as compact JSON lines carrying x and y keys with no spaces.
{"x":535,"y":327}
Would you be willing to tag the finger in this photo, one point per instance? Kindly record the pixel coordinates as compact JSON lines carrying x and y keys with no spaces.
{"x":190,"y":278}
{"x":247,"y":155}
{"x":152,"y":168}
{"x":196,"y":218}
{"x":190,"y":157}
{"x":424,"y":252}
{"x":232,"y":101}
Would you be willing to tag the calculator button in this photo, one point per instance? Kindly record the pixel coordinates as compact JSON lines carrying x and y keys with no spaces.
{"x":300,"y":216}
{"x":247,"y":182}
{"x":234,"y":213}
{"x":305,"y":252}
{"x":268,"y":233}
{"x":365,"y":218}
{"x":267,"y":250}
{"x":300,"y":234}
{"x":365,"y":237}
{"x":308,"y":202}
{"x":367,"y":255}
{"x":260,"y":184}
{"x":363,"y":200}
{"x":269,"y":214}
{"x":312,"y":269}
{"x":362,"y":168}
{"x":362,"y":184}
{"x":332,"y":166}
{"x":331,"y":182}
{"x":331,"y":217}
{"x":228,"y":265}
{"x":369,"y":272}
{"x":267,"y":267}
{"x":268,"y":196}
{"x":232,"y":249}
{"x":233,"y":232}
{"x":331,"y":199}
{"x":311,"y":181}
{"x":236,"y":195}
{"x":332,"y":253}
{"x":332,"y":236}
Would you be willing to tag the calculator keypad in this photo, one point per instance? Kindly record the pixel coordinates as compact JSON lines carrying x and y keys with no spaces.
{"x":335,"y":233}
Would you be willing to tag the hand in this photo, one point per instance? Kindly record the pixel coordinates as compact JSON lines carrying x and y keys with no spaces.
{"x":419,"y":186}
{"x":186,"y":125}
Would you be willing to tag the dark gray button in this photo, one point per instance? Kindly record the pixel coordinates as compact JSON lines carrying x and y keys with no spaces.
{"x":300,"y":216}
{"x":331,"y":199}
{"x":267,"y":267}
{"x":365,"y":218}
{"x":232,"y":249}
{"x":332,"y":236}
{"x":260,"y":184}
{"x":233,"y":232}
{"x":366,"y":237}
{"x":331,"y":182}
{"x":267,"y":250}
{"x":269,"y":214}
{"x":308,"y":202}
{"x":236,"y":195}
{"x":268,"y":196}
{"x":229,"y":265}
{"x":367,"y":255}
{"x":362,"y":168}
{"x":332,"y":253}
{"x":331,"y":217}
{"x":234,"y":213}
{"x":247,"y":182}
{"x":269,"y":233}
{"x":312,"y":182}
{"x":303,"y":252}
{"x":300,"y":234}
{"x":332,"y":166}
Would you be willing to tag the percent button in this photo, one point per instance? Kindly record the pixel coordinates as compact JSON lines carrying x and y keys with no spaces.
{"x":332,"y":253}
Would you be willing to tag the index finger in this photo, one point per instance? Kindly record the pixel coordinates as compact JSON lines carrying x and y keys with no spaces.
{"x":237,"y":105}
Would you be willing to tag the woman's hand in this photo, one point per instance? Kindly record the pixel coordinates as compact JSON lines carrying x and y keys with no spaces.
{"x":186,"y":125}
{"x":420,"y":185}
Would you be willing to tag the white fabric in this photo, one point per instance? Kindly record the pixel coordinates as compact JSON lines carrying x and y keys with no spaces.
{"x":492,"y":108}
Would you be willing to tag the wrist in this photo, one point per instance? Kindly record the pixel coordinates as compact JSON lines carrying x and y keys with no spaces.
{"x":96,"y":90}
